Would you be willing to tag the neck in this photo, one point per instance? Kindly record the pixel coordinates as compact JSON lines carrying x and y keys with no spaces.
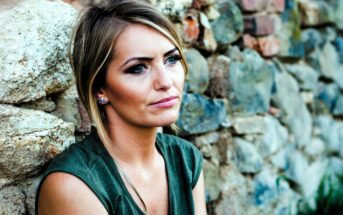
{"x":131,"y":144}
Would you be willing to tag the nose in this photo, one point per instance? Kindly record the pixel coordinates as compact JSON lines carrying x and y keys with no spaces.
{"x":162,"y":80}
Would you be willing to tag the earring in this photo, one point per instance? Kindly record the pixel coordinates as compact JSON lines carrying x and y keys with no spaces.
{"x":102,"y":100}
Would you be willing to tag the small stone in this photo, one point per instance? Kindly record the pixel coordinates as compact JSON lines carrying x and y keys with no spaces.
{"x":12,"y":201}
{"x":312,"y":39}
{"x":30,"y":189}
{"x":246,"y":157}
{"x":326,"y":97}
{"x":335,"y":166}
{"x":338,"y":43}
{"x":198,"y":4}
{"x":338,"y":110}
{"x":191,"y":26}
{"x":267,"y":46}
{"x":306,"y":76}
{"x":276,"y":5}
{"x":207,"y":41}
{"x":252,"y":5}
{"x":170,"y":7}
{"x":259,"y":25}
{"x":197,"y":79}
{"x":200,"y":114}
{"x":297,"y":166}
{"x":229,"y":25}
{"x":43,"y":104}
{"x":219,"y":76}
{"x":249,"y":125}
{"x":211,"y":12}
{"x":316,"y":148}
{"x":316,"y":13}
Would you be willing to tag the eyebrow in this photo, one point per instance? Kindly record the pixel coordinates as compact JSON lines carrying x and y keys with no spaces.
{"x":148,"y":58}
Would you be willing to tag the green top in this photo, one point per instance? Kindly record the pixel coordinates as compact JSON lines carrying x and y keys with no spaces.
{"x":90,"y":162}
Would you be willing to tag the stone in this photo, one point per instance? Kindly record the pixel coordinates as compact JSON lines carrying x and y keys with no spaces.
{"x":250,"y":82}
{"x":228,"y":27}
{"x":197,"y":79}
{"x":206,"y":41}
{"x":28,"y":139}
{"x":297,"y":166}
{"x":338,"y":43}
{"x":267,"y":46}
{"x":33,"y":50}
{"x":252,"y":5}
{"x":43,"y":104}
{"x":288,"y":31}
{"x":315,"y":13}
{"x":312,"y":39}
{"x":198,"y":4}
{"x":316,"y":148}
{"x":294,"y":111}
{"x":312,"y":176}
{"x":200,"y":114}
{"x":331,"y":132}
{"x":249,"y":125}
{"x":29,"y":187}
{"x":337,"y":7}
{"x":211,"y":12}
{"x":246,"y":157}
{"x":326,"y":96}
{"x":306,"y":76}
{"x":219,"y":76}
{"x":70,"y":109}
{"x":12,"y":201}
{"x":338,"y":110}
{"x":274,"y":136}
{"x":190,"y":27}
{"x":276,"y":5}
{"x":335,"y":166}
{"x":259,"y":25}
{"x":172,"y":8}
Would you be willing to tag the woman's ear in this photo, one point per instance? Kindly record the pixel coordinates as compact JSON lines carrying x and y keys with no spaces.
{"x":101,"y":96}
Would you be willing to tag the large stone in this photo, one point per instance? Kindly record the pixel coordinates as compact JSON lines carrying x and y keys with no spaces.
{"x":267,"y":46}
{"x":246,"y":156}
{"x":337,"y":7}
{"x":219,"y":76}
{"x":206,"y":41}
{"x":249,"y":125}
{"x":316,"y":148}
{"x":326,"y":97}
{"x":306,"y":76}
{"x":29,"y":138}
{"x":200,"y":114}
{"x":316,"y":13}
{"x":259,"y":25}
{"x":312,"y":39}
{"x":331,"y":132}
{"x":250,"y":82}
{"x":12,"y":201}
{"x":33,"y":50}
{"x":294,"y":111}
{"x":198,"y":77}
{"x":229,"y":25}
{"x":274,"y":136}
{"x":252,"y":5}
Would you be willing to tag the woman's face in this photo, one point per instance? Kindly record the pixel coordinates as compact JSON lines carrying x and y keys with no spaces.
{"x":145,"y":79}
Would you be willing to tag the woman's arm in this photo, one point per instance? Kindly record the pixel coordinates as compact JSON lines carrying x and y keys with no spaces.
{"x":199,"y":196}
{"x":63,"y":194}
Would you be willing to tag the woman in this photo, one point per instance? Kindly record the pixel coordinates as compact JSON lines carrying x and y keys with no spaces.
{"x":130,"y":73}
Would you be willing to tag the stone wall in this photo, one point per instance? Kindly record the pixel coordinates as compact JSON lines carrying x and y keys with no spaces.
{"x":263,"y":101}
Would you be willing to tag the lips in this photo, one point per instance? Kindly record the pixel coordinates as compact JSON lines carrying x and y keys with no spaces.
{"x":165,"y":103}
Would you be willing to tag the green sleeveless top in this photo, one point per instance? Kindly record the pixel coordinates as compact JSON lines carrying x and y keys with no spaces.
{"x":89,"y":161}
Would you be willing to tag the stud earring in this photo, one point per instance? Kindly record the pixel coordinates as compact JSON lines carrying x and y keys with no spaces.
{"x":102,"y":100}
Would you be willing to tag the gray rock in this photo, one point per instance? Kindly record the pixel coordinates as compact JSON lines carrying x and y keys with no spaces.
{"x":250,"y":82}
{"x":335,"y":166}
{"x":331,"y":132}
{"x":198,"y":77}
{"x":316,"y":13}
{"x":229,"y":25}
{"x":33,"y":48}
{"x":30,"y":188}
{"x":316,"y":148}
{"x":246,"y":157}
{"x":294,"y":111}
{"x":219,"y":76}
{"x":297,"y":165}
{"x":338,"y":110}
{"x":29,"y":138}
{"x":200,"y":114}
{"x":312,"y":39}
{"x":249,"y":125}
{"x":337,"y":7}
{"x":306,"y":76}
{"x":43,"y":104}
{"x":326,"y":96}
{"x":312,"y":176}
{"x":338,"y":43}
{"x":274,"y":136}
{"x":12,"y":201}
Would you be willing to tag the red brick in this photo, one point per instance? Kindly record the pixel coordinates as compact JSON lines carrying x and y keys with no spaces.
{"x":260,"y":25}
{"x":253,"y":5}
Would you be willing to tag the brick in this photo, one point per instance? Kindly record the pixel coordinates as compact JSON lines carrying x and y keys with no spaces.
{"x":253,"y":5}
{"x":260,"y":25}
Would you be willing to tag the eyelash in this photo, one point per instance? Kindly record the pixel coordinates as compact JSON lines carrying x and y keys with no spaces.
{"x":140,"y":68}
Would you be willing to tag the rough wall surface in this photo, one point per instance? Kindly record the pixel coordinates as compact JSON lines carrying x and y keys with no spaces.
{"x":263,"y":100}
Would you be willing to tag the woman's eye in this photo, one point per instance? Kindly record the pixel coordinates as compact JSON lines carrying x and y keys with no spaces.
{"x":173,"y":59}
{"x":137,"y":69}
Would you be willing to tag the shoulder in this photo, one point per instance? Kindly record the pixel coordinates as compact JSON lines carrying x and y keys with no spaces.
{"x":185,"y":156}
{"x":62,"y":193}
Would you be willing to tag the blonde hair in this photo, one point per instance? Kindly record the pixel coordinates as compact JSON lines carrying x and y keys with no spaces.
{"x":93,"y":46}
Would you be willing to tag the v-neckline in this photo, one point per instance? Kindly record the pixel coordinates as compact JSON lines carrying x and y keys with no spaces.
{"x":161,"y":150}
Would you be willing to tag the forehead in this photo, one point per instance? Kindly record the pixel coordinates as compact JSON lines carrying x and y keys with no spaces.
{"x":139,"y":39}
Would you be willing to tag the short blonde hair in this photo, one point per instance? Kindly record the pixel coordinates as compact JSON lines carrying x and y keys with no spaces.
{"x":93,"y":46}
